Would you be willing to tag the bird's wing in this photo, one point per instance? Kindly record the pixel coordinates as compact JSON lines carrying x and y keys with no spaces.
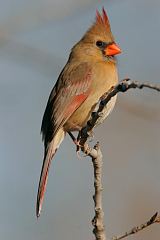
{"x":70,"y":91}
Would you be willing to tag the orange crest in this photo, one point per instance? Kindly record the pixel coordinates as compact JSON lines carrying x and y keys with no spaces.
{"x":102,"y":19}
{"x":100,"y":28}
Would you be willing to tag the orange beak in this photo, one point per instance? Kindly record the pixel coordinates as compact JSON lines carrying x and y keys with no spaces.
{"x":112,"y":50}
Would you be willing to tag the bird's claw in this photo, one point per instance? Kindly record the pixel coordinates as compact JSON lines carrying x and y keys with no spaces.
{"x":91,"y":135}
{"x":78,"y":153}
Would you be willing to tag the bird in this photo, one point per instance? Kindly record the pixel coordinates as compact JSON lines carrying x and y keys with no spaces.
{"x":91,"y":70}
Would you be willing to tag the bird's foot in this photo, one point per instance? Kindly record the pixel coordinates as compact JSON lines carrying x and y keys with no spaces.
{"x":75,"y":140}
{"x":77,"y":143}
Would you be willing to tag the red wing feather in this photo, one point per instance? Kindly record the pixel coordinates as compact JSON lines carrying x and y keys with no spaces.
{"x":76,"y":102}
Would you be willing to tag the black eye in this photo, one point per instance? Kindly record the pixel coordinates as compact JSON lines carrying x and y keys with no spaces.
{"x":100,"y":44}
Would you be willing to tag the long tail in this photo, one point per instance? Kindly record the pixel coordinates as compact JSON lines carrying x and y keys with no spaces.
{"x":49,"y":153}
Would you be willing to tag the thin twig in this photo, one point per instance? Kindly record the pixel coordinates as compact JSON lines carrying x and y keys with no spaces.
{"x":154,"y":219}
{"x":123,"y":86}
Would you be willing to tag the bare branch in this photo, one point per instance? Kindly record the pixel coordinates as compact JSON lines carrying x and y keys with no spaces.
{"x":154,"y":219}
{"x":96,"y":155}
{"x":98,"y":221}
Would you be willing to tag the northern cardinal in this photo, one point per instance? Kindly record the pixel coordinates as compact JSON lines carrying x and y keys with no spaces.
{"x":89,"y":72}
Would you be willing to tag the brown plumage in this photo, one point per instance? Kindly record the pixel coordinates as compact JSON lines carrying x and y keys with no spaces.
{"x":89,"y":73}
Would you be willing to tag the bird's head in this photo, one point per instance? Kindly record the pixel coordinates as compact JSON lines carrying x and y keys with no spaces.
{"x":98,"y":42}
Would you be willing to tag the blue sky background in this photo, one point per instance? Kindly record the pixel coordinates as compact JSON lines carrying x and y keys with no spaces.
{"x":35,"y":40}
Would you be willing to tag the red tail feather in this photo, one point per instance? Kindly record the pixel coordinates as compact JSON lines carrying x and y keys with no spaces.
{"x":49,"y":153}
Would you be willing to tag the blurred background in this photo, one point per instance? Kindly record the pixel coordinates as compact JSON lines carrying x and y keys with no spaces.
{"x":35,"y":40}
